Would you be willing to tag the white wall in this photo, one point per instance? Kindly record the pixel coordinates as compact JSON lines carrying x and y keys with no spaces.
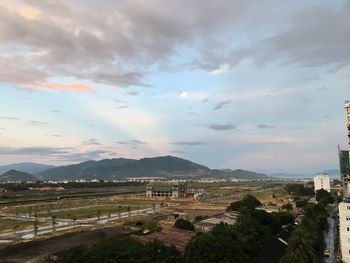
{"x":344,"y":226}
{"x":322,"y":182}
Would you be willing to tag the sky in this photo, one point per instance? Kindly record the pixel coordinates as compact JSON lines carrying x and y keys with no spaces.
{"x":256,"y":85}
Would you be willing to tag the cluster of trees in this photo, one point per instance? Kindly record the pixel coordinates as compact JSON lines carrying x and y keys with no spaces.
{"x":324,"y":197}
{"x":184,"y":224}
{"x":299,"y":190}
{"x":123,"y":250}
{"x":240,"y":242}
{"x":71,"y":185}
{"x":248,"y":202}
{"x":306,"y":241}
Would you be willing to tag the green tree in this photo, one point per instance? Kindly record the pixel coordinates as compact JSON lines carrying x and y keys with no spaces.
{"x":249,"y":202}
{"x":300,"y":247}
{"x":152,"y":225}
{"x":288,"y":207}
{"x":220,"y":245}
{"x":184,"y":224}
{"x":324,"y":197}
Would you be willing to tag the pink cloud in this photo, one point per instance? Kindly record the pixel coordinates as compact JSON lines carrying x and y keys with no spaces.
{"x":67,"y":86}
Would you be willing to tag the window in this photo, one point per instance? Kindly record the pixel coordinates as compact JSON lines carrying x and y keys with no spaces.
{"x":348,"y":229}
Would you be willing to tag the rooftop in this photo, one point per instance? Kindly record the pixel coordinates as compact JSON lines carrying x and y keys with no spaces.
{"x":174,"y":236}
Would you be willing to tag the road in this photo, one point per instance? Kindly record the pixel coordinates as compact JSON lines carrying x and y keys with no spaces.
{"x":64,"y":224}
{"x":330,"y":236}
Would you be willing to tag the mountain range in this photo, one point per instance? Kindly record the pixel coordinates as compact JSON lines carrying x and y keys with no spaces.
{"x":31,"y":168}
{"x":121,"y":168}
{"x":17,"y":176}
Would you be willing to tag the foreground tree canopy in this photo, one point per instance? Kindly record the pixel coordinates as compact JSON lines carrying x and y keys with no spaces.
{"x":248,"y":202}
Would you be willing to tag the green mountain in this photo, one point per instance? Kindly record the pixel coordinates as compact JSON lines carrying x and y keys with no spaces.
{"x":164,"y":166}
{"x":17,"y":176}
{"x":109,"y":169}
{"x":31,"y":168}
{"x":237,"y":174}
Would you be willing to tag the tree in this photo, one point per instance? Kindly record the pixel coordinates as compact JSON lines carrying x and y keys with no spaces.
{"x":288,"y":207}
{"x":184,"y":224}
{"x":248,"y":202}
{"x":129,"y":210}
{"x":300,"y":247}
{"x":123,"y":250}
{"x":152,"y":226}
{"x":200,"y":217}
{"x":36,"y":223}
{"x":219,"y":245}
{"x":324,"y":197}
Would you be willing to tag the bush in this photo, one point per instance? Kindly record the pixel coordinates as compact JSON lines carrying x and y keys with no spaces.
{"x":184,"y":224}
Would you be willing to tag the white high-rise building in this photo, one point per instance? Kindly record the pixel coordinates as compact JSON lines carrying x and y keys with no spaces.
{"x":344,"y":207}
{"x":344,"y":229}
{"x":322,"y":182}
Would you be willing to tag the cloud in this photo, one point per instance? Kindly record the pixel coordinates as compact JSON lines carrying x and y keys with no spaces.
{"x":9,"y":118}
{"x":66,"y":86}
{"x":132,"y":93}
{"x":222,"y":127}
{"x":85,"y":156}
{"x":91,"y":142}
{"x":132,"y":143}
{"x":115,"y":43}
{"x":265,"y":126}
{"x":38,"y":151}
{"x":175,"y":151}
{"x":195,"y":95}
{"x":122,"y":107}
{"x":188,"y":143}
{"x":223,"y":68}
{"x":221,"y":104}
{"x":37,"y":123}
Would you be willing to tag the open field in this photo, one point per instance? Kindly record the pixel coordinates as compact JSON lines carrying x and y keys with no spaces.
{"x":85,"y":211}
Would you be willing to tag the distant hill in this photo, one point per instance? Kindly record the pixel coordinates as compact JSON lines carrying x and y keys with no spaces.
{"x":16,"y":176}
{"x":164,"y":166}
{"x":333,"y":174}
{"x":237,"y":174}
{"x":31,"y":168}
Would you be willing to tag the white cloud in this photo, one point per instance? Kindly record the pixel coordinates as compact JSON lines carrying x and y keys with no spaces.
{"x":223,"y":68}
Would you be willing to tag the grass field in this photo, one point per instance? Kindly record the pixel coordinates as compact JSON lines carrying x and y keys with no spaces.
{"x":7,"y":225}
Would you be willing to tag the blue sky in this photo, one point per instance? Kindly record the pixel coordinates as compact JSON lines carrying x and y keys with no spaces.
{"x":228,"y":84}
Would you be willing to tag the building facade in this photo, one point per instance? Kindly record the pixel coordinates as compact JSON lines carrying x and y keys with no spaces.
{"x":344,"y":207}
{"x":322,"y":182}
{"x":344,"y":229}
{"x":165,"y":190}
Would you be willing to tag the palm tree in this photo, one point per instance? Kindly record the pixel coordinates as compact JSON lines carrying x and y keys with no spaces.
{"x":301,"y":247}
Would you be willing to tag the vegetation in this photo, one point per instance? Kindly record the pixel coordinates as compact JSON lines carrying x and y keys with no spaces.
{"x":237,"y":243}
{"x":200,"y":218}
{"x":324,"y":197}
{"x":123,"y":250}
{"x":299,"y":190}
{"x":152,"y":226}
{"x":288,"y":207}
{"x":306,"y":240}
{"x":70,"y":185}
{"x":184,"y":224}
{"x":248,"y":202}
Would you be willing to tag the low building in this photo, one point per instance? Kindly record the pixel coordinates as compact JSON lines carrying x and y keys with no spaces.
{"x":344,"y":229}
{"x":174,"y":236}
{"x":322,"y":182}
{"x":166,"y":190}
{"x":207,"y":225}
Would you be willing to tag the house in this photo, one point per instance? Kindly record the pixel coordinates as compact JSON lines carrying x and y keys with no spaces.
{"x":207,"y":225}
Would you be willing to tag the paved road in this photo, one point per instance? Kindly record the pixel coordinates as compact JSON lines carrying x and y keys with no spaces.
{"x":331,"y":235}
{"x":64,"y":224}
